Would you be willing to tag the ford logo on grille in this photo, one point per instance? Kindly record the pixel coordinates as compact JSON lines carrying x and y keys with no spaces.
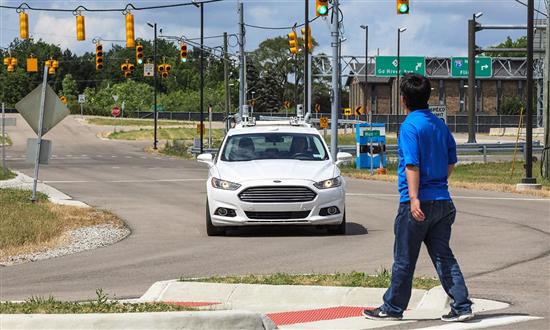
{"x":277,"y":181}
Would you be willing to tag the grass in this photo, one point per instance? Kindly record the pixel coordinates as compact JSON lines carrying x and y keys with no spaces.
{"x":5,"y":139}
{"x":106,"y":121}
{"x":354,"y":279}
{"x":6,"y":174}
{"x":490,"y":176}
{"x":39,"y":305}
{"x":349,"y":139}
{"x":28,"y":227}
{"x":183,"y":133}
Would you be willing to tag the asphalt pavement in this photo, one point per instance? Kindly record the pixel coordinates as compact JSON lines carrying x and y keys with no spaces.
{"x":500,"y":239}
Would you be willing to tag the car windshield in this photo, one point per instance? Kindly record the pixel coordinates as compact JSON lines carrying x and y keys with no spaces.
{"x":258,"y":146}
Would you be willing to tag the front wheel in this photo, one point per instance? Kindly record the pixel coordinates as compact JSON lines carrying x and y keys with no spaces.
{"x":338,"y":229}
{"x":212,"y":230}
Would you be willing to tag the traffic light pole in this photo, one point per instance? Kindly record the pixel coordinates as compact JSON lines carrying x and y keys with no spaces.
{"x":226,"y":80}
{"x":202,"y":78}
{"x":306,"y":57}
{"x":472,"y":80}
{"x":335,"y":109}
{"x":528,"y":179}
{"x":155,"y":75}
{"x":397,"y":88}
{"x":546,"y":113}
{"x":242,"y":69}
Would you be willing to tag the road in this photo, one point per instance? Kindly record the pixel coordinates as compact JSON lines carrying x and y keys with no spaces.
{"x":502,"y":240}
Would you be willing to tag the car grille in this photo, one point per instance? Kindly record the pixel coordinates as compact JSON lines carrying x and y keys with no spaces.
{"x":277,"y":194}
{"x":277,"y":215}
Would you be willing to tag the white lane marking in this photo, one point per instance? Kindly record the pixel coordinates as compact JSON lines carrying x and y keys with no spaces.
{"x":461,"y":197}
{"x":128,"y":157}
{"x":484,"y":323}
{"x":116,"y":167}
{"x":113,"y":156}
{"x":122,"y":181}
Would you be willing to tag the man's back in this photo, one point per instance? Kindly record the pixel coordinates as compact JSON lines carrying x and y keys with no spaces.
{"x":426,"y":142}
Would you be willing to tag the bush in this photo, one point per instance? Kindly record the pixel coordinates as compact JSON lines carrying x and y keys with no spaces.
{"x":511,"y":106}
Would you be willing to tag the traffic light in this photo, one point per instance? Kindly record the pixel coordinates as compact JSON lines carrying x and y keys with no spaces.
{"x":164,"y":70}
{"x":98,"y":56}
{"x":130,"y":41}
{"x":293,"y":42}
{"x":11,"y":63}
{"x":310,"y":40}
{"x":23,"y":25}
{"x":63,"y":99}
{"x":52,"y":65}
{"x":403,"y":7}
{"x":80,"y":31}
{"x":32,"y":64}
{"x":321,"y":7}
{"x":124,"y":67}
{"x":127,"y":69}
{"x":183,"y":52}
{"x":139,"y":54}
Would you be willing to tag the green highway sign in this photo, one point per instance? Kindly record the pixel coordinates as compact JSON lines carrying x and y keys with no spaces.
{"x":386,"y":66}
{"x":484,"y":67}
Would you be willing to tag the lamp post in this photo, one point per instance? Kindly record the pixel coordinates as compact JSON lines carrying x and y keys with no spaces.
{"x":397,"y":93}
{"x":155,"y":75}
{"x":472,"y":28}
{"x":365,"y":94}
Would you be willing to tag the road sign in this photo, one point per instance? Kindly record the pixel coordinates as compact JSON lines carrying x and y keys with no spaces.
{"x":440,"y":112}
{"x":115,"y":112}
{"x":347,"y":112}
{"x":54,"y":109}
{"x":386,"y":66}
{"x":484,"y":67}
{"x":323,"y":122}
{"x":317,"y":107}
{"x":148,"y":70}
{"x":81,"y":98}
{"x":358,"y":110}
{"x":115,"y":97}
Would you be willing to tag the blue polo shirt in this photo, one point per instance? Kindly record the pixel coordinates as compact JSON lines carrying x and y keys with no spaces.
{"x":426,"y":142}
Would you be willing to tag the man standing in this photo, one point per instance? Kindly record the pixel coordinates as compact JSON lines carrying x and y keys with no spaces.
{"x":427,"y":154}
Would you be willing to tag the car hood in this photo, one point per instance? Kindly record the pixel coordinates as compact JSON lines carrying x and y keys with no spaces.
{"x":275,"y":169}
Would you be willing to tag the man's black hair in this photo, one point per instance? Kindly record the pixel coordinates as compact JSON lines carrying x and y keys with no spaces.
{"x":416,"y":91}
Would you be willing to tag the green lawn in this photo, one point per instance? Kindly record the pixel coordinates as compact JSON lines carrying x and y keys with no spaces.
{"x":183,"y":133}
{"x":106,"y":121}
{"x":349,"y":139}
{"x":354,"y":279}
{"x":6,"y":174}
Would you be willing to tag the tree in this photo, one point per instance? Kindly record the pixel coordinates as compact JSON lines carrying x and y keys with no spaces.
{"x":521,"y":42}
{"x":70,"y":89}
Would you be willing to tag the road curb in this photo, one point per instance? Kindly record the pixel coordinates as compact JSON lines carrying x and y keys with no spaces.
{"x":162,"y":320}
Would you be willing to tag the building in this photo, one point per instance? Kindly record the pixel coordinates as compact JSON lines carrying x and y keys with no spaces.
{"x":508,"y":80}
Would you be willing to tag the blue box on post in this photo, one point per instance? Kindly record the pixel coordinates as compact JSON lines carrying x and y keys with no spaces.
{"x":370,"y":137}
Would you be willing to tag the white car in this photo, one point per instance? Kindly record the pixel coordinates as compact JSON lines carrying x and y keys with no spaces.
{"x":270,"y":173}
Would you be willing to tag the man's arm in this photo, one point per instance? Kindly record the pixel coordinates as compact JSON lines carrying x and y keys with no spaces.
{"x":413,"y":181}
{"x":450,"y":169}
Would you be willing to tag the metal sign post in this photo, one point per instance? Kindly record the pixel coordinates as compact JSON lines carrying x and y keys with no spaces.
{"x":81,"y":100}
{"x":40,"y":128}
{"x":210,"y":126}
{"x":3,"y":140}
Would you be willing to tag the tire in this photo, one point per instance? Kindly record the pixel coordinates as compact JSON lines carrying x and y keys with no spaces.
{"x":338,"y":229}
{"x":212,"y":230}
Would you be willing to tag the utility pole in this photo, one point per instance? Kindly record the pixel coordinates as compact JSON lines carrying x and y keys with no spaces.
{"x":155,"y":75}
{"x":365,"y":93}
{"x":397,"y":89}
{"x":226,"y":79}
{"x":335,"y":34}
{"x":528,"y":179}
{"x":472,"y":29}
{"x":546,"y":114}
{"x":202,"y":77}
{"x":242,"y":68}
{"x":306,"y":57}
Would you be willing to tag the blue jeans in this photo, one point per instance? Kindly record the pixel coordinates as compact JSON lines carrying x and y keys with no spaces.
{"x":435,"y":232}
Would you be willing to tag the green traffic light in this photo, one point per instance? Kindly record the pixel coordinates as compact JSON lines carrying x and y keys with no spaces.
{"x":322,"y":10}
{"x":183,"y":60}
{"x":140,"y":61}
{"x":403,"y":8}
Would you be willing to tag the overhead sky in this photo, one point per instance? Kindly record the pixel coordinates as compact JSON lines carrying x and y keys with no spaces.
{"x":434,"y":27}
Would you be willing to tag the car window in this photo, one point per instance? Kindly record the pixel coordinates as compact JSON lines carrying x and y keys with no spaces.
{"x":257,"y":146}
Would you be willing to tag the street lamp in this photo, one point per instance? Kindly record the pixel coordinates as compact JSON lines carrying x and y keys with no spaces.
{"x":397,"y":94}
{"x":365,"y":98}
{"x":155,"y":75}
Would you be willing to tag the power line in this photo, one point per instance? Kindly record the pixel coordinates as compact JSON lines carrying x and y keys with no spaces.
{"x":279,"y":28}
{"x":25,"y":6}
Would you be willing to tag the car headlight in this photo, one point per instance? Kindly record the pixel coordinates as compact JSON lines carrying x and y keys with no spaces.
{"x":330,"y":183}
{"x":225,"y":185}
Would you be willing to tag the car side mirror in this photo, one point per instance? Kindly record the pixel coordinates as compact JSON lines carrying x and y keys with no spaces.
{"x":343,"y":157}
{"x":208,"y":159}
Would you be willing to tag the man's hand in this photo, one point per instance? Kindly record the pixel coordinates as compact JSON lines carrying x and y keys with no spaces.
{"x":416,"y":211}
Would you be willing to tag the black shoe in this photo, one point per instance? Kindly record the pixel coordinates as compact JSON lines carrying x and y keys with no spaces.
{"x":455,"y":317}
{"x":378,"y":314}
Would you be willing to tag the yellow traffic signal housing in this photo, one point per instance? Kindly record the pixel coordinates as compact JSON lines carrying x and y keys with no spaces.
{"x":183,"y":52}
{"x":98,"y":56}
{"x":403,"y":7}
{"x":124,"y":67}
{"x":293,"y":42}
{"x":139,"y":54}
{"x":127,"y":74}
{"x":23,"y":25}
{"x":131,"y":67}
{"x":321,"y":7}
{"x":10,"y":62}
{"x":130,"y":40}
{"x":310,"y":40}
{"x":63,"y":99}
{"x":32,"y":64}
{"x":164,"y":70}
{"x":80,"y":30}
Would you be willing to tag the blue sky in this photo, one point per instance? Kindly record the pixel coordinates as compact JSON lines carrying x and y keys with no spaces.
{"x":435,"y":27}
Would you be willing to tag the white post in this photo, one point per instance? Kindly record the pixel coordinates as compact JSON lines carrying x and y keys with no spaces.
{"x":210,"y":127}
{"x":40,"y":128}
